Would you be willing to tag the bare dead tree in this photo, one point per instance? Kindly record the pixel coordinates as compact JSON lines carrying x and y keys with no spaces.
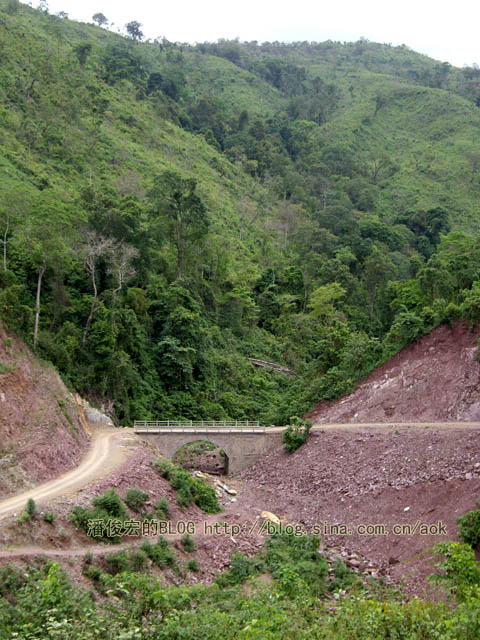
{"x":95,"y":247}
{"x":121,"y":267}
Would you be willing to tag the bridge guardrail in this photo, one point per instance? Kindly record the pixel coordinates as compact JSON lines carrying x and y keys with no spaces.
{"x":198,"y":426}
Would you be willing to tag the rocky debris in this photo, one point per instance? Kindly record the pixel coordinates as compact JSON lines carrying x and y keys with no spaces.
{"x":370,"y":460}
{"x":374,"y":475}
{"x":94,"y":416}
{"x":436,"y":378}
{"x":267,"y":515}
{"x":225,"y":492}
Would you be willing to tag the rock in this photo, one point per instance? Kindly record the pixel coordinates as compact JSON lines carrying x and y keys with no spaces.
{"x":468,"y":476}
{"x":96,"y":417}
{"x":270,"y":516}
{"x":231,"y":492}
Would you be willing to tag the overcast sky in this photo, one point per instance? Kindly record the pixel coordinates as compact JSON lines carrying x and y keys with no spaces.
{"x":445,"y":31}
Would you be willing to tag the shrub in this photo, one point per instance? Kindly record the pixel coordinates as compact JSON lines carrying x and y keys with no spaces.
{"x":106,"y":508}
{"x":188,"y":488}
{"x":240,"y":569}
{"x":49,"y":517}
{"x":117,"y":562}
{"x":112,"y":504}
{"x":92,"y":572}
{"x":136,"y":499}
{"x":188,"y":543}
{"x":164,"y":467}
{"x":469,"y":527}
{"x":192,"y":565}
{"x":296,"y":433}
{"x":31,"y":508}
{"x":162,"y":509}
{"x":343,"y":576}
{"x":137,"y":559}
{"x":460,"y":570}
{"x":300,"y":555}
{"x":205,"y":496}
{"x":159,"y":553}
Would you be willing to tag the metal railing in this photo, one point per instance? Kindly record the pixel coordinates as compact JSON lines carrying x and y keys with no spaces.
{"x":197,"y":425}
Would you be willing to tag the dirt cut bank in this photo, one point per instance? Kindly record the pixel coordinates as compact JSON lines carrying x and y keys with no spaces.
{"x":41,"y":435}
{"x":436,"y":378}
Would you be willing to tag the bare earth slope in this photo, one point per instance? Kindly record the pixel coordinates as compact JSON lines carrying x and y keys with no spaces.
{"x":389,"y":474}
{"x":434,"y":379}
{"x":367,"y":475}
{"x":41,"y":435}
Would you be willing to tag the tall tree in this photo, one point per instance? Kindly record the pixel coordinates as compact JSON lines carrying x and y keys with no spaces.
{"x":134,"y":30}
{"x":175,"y":200}
{"x":100,"y":19}
{"x":14,"y":206}
{"x":49,"y":240}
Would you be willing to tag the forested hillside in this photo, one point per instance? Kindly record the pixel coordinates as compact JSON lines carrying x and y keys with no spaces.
{"x":169,"y":211}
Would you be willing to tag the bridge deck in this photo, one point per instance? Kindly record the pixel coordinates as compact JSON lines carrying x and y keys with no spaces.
{"x":200,"y":426}
{"x":198,"y":430}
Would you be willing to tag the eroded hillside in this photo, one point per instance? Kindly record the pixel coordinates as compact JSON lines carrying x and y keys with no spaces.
{"x":41,"y":435}
{"x":435,"y":378}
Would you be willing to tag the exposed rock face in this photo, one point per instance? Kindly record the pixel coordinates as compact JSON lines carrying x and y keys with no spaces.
{"x":96,"y":417}
{"x":41,"y":435}
{"x":437,"y":378}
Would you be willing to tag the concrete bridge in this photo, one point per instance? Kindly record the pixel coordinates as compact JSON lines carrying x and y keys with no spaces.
{"x":242,"y":441}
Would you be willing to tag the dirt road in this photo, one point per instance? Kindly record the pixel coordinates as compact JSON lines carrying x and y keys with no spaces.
{"x":108,"y":450}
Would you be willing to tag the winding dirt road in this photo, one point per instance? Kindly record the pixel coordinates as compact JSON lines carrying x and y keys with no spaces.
{"x":108,"y":450}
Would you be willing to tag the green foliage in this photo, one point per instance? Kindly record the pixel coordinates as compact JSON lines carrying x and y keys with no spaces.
{"x":159,"y":553}
{"x":296,"y":562}
{"x":40,"y":600}
{"x":162,"y":508}
{"x":189,"y":489}
{"x":136,"y":499}
{"x":112,"y":504}
{"x":241,"y":568}
{"x":188,"y":543}
{"x":30,"y":510}
{"x":164,"y":467}
{"x":137,"y":559}
{"x":469,"y":527}
{"x":49,"y":517}
{"x":99,"y":522}
{"x":343,"y":577}
{"x":460,"y":572}
{"x":117,"y":562}
{"x":192,"y":565}
{"x":7,"y":368}
{"x":253,"y":212}
{"x":296,"y":433}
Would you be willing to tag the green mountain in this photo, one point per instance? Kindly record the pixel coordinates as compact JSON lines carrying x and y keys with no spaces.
{"x":169,"y":211}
